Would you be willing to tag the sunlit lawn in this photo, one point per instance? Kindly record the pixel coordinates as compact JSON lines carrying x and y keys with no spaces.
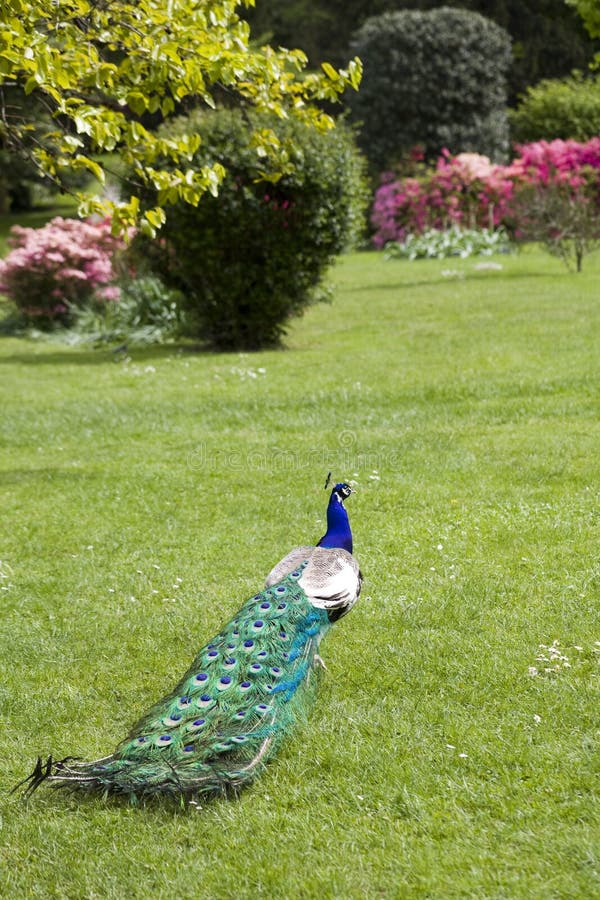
{"x":454,"y":747}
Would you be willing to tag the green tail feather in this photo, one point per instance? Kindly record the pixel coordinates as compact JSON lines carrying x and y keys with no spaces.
{"x":225,"y":719}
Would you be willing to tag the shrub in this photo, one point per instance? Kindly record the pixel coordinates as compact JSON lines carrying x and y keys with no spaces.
{"x":556,"y":197}
{"x":52,"y":271}
{"x":248,"y":260}
{"x":549,"y":193}
{"x":453,"y":241}
{"x":435,"y":78}
{"x":146,"y":313}
{"x":466,"y":190}
{"x":558,"y":108}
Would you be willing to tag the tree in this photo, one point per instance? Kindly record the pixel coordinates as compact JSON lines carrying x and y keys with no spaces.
{"x":102,"y":67}
{"x":549,"y":40}
{"x":590,"y":13}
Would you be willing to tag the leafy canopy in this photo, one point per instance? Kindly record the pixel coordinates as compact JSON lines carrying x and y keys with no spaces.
{"x":102,"y":67}
{"x":589,"y":10}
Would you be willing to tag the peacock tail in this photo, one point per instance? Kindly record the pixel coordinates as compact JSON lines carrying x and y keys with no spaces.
{"x":224,"y":720}
{"x":244,"y":691}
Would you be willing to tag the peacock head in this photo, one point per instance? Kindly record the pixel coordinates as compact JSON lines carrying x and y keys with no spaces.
{"x":342,"y":491}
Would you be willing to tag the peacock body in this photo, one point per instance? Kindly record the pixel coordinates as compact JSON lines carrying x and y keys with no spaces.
{"x":244,"y":691}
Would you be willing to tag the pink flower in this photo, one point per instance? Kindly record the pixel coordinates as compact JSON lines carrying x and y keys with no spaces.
{"x":111,"y":293}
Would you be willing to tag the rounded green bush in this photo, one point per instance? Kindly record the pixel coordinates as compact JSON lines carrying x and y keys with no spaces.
{"x":558,"y":108}
{"x":435,"y":79}
{"x":251,"y":258}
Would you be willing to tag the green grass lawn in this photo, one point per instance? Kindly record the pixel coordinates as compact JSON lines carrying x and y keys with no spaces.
{"x":144,"y":498}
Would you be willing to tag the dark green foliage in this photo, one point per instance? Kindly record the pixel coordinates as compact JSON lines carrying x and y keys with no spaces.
{"x":436,"y":79}
{"x":16,"y":181}
{"x":568,"y":108}
{"x":22,"y":184}
{"x":549,"y":38}
{"x":253,"y":257}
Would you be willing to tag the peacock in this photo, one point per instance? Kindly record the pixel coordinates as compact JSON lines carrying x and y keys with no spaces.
{"x":225,"y":719}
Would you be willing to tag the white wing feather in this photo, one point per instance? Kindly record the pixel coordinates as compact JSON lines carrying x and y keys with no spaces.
{"x":331,"y":580}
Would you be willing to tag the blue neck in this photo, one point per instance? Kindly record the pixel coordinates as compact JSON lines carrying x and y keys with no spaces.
{"x":338,"y":526}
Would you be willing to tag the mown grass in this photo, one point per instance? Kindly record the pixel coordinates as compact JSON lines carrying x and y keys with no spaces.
{"x":145,"y":497}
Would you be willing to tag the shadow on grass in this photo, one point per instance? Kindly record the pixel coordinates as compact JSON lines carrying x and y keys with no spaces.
{"x":94,"y":357}
{"x":443,"y":280}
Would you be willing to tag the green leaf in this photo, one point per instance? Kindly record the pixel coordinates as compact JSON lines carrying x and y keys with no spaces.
{"x":137,"y":102}
{"x":330,"y":71}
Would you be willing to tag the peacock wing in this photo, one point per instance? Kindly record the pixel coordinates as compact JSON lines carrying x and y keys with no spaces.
{"x":288,"y":564}
{"x":332,"y":581}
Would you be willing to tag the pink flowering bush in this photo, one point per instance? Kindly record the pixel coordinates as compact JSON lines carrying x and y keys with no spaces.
{"x":68,"y":264}
{"x":465,"y":190}
{"x":547,"y":182}
{"x":556,"y":197}
{"x":545,"y":160}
